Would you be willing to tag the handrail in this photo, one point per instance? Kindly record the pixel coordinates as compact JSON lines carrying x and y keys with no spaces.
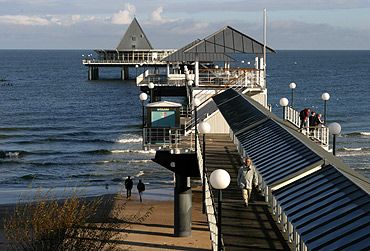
{"x":209,"y":203}
{"x":316,"y":133}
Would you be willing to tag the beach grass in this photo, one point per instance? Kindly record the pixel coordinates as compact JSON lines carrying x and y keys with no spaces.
{"x":45,"y":221}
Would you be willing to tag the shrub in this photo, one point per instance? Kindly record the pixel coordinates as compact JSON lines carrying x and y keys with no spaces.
{"x":70,"y":222}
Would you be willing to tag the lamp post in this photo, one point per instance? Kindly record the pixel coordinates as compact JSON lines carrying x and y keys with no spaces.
{"x":196,"y":103}
{"x":136,"y":66}
{"x":143,"y":96}
{"x":220,"y":179}
{"x":325,"y":96}
{"x":151,"y":86}
{"x":334,"y":128}
{"x":204,"y":128}
{"x":292,"y":86}
{"x":284,"y":102}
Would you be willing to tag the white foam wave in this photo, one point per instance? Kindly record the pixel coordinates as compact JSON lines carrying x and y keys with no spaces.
{"x":125,"y":161}
{"x":365,"y":133}
{"x":12,"y":154}
{"x":132,"y":151}
{"x":140,"y":173}
{"x":132,"y":140}
{"x":353,"y":154}
{"x":352,"y":149}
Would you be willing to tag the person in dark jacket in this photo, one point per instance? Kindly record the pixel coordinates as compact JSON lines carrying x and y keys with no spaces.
{"x":303,"y":115}
{"x":128,"y":185}
{"x":141,"y":189}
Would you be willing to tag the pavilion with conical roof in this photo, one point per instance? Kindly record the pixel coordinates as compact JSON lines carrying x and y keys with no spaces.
{"x":133,"y":50}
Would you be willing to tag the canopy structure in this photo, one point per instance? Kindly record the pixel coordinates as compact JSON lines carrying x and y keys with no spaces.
{"x":181,"y":56}
{"x":228,"y":40}
{"x":325,"y":201}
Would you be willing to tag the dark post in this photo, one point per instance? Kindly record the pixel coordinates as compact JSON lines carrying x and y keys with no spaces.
{"x":284,"y":107}
{"x":182,"y":207}
{"x":334,"y":144}
{"x":143,"y":114}
{"x":204,"y":174}
{"x":325,"y":114}
{"x":219,"y":245}
{"x":196,"y":130}
{"x":292,"y":96}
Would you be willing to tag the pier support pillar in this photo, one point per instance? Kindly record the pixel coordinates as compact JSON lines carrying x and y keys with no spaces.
{"x":183,"y":206}
{"x":124,"y":73}
{"x":93,"y":73}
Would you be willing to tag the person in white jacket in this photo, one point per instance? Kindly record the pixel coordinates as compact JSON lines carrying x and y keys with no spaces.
{"x":247,"y":177}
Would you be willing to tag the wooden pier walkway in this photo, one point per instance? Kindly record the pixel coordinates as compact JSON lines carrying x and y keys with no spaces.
{"x":251,"y":228}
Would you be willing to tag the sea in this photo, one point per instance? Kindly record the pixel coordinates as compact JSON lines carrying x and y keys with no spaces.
{"x":58,"y":129}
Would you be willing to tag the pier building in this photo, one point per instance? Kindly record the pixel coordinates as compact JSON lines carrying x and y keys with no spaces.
{"x":317,"y":201}
{"x":133,"y":51}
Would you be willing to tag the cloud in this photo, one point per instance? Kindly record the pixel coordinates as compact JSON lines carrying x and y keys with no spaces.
{"x":123,"y":16}
{"x":157,"y":17}
{"x":197,"y":28}
{"x":25,"y":20}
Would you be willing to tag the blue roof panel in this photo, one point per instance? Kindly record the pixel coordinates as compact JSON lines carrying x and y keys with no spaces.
{"x":327,"y":209}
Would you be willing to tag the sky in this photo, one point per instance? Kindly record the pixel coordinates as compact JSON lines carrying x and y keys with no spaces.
{"x":171,"y":24}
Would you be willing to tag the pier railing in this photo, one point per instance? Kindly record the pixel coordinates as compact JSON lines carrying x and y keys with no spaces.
{"x":209,"y":203}
{"x":161,"y":137}
{"x":319,"y":134}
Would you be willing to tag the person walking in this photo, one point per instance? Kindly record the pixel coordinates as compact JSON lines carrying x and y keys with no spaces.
{"x":247,"y":177}
{"x":141,"y":189}
{"x":128,"y":185}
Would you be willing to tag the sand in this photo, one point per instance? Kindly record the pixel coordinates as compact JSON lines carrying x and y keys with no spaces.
{"x":157,"y":231}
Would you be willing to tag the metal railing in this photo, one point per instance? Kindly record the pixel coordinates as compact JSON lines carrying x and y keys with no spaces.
{"x":162,"y":137}
{"x":209,"y":203}
{"x":158,"y":78}
{"x":223,"y":77}
{"x":319,"y":134}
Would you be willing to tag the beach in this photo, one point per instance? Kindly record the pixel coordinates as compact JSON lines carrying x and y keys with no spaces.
{"x":157,"y":231}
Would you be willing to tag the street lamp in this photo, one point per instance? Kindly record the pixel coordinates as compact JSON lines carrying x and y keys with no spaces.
{"x":143,"y":96}
{"x":284,"y":102}
{"x":204,"y":128}
{"x":151,"y":86}
{"x":196,"y":103}
{"x":334,"y":128}
{"x":136,"y":66}
{"x":292,"y":86}
{"x":325,"y":96}
{"x":220,"y":179}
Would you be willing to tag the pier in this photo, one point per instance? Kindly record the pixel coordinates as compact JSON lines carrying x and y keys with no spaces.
{"x":133,"y":51}
{"x":307,"y":199}
{"x":289,"y":211}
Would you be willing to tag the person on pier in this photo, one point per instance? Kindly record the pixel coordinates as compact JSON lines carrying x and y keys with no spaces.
{"x":304,"y":116}
{"x":247,"y":177}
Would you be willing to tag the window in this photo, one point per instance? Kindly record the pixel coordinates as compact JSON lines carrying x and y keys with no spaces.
{"x":133,"y":38}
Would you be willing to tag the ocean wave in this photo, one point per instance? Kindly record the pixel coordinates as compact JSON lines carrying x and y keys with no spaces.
{"x":343,"y":149}
{"x":138,"y":174}
{"x":132,"y":151}
{"x":132,"y":140}
{"x":353,"y":154}
{"x":124,"y":161}
{"x":357,"y":134}
{"x":12,"y":154}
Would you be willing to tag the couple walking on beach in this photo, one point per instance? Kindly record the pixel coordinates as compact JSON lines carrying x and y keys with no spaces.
{"x":129,"y":184}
